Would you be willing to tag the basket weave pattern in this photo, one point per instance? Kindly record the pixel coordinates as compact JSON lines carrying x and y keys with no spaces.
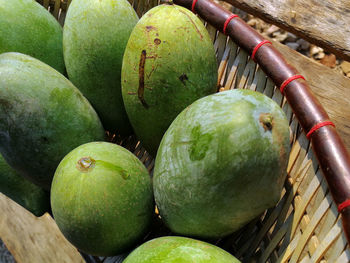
{"x":305,"y":225}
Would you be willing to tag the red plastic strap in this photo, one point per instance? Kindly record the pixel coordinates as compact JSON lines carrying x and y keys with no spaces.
{"x":317,"y":126}
{"x":257,"y":48}
{"x":343,"y":205}
{"x":228,"y":21}
{"x":289,"y":80}
{"x":193,"y":5}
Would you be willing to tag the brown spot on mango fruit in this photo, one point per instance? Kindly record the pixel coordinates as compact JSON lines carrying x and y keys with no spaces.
{"x":173,"y":58}
{"x":157,"y":41}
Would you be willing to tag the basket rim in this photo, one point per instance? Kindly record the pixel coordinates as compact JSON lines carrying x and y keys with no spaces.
{"x":328,"y":147}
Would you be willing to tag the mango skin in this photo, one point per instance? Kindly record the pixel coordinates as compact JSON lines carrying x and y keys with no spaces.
{"x":22,"y":191}
{"x":95,"y":35}
{"x":179,"y":66}
{"x":218,"y":166}
{"x":27,"y":27}
{"x":42,"y":117}
{"x":176,"y":249}
{"x":105,"y":210}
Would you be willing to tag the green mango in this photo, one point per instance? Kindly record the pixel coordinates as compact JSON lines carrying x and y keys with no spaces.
{"x":95,"y":35}
{"x":221,"y":163}
{"x":42,"y":117}
{"x":169,"y":62}
{"x":174,"y":249}
{"x":27,"y":27}
{"x":22,"y":191}
{"x":102,"y":198}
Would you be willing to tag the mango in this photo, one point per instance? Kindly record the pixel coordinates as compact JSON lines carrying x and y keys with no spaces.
{"x":27,"y":27}
{"x":221,"y":163}
{"x":174,"y":249}
{"x":95,"y":35}
{"x":169,"y":62}
{"x":102,"y":198}
{"x":42,"y":117}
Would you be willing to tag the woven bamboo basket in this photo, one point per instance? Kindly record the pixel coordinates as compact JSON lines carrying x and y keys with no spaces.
{"x":305,"y":225}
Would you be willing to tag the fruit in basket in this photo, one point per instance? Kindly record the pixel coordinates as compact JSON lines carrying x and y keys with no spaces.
{"x":22,"y":191}
{"x":221,"y":163}
{"x":42,"y":117}
{"x":28,"y":28}
{"x":102,"y":198}
{"x":95,"y":35}
{"x":169,"y":62}
{"x":169,"y":249}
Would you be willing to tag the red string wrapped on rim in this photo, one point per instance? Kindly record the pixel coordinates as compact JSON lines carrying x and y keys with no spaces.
{"x":343,"y":205}
{"x":317,"y":126}
{"x":289,"y":80}
{"x":228,"y":20}
{"x":193,"y":5}
{"x":256,"y":48}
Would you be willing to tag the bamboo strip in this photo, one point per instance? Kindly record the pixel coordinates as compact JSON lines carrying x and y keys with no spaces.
{"x":247,"y":76}
{"x":330,"y":220}
{"x":337,"y":249}
{"x":273,"y":243}
{"x":321,"y":249}
{"x":310,"y":228}
{"x":267,"y":224}
{"x":344,"y":257}
{"x":241,"y":62}
{"x":220,"y":45}
{"x":301,"y":208}
{"x":260,"y":80}
{"x":223,"y":67}
{"x":270,"y":88}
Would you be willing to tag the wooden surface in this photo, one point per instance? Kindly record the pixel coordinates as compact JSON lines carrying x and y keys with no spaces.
{"x":31,"y":239}
{"x":322,"y":22}
{"x":330,"y":87}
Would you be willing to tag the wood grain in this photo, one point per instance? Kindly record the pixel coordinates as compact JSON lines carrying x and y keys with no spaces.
{"x":31,"y":239}
{"x":329,"y":86}
{"x":324,"y":23}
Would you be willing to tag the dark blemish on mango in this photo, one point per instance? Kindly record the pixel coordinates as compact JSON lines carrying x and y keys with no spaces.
{"x":141,"y":89}
{"x":200,"y":144}
{"x":149,"y":28}
{"x":157,"y":41}
{"x":266,"y":120}
{"x":44,"y":139}
{"x":183,"y":77}
{"x":153,"y":56}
